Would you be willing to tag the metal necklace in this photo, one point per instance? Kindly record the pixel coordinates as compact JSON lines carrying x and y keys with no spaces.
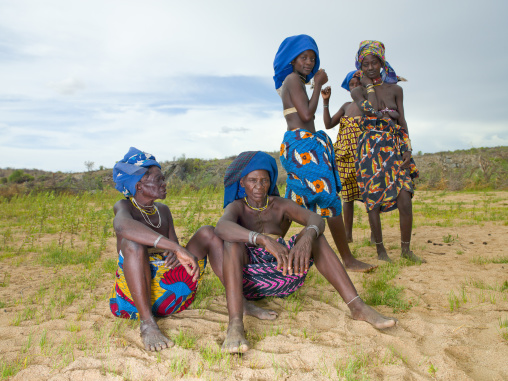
{"x":147,"y":214}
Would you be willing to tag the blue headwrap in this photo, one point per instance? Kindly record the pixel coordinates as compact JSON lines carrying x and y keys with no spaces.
{"x":349,"y":77}
{"x":128,"y":171}
{"x":291,"y":48}
{"x":244,"y":164}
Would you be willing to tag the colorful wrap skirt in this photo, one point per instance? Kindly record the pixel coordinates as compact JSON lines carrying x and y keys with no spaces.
{"x":313,"y":181}
{"x":345,"y":154}
{"x":261,"y":277}
{"x":379,"y":157}
{"x":172,"y":290}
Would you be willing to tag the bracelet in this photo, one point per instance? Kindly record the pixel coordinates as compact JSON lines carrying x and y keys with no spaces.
{"x":255,"y":239}
{"x":369,"y":86}
{"x":356,"y":297}
{"x":370,"y":91}
{"x":325,"y":105}
{"x":252,"y":237}
{"x":318,"y":233}
{"x":157,"y":241}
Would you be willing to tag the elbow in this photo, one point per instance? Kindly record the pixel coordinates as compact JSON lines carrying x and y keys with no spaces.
{"x":307,"y":118}
{"x":219,"y":230}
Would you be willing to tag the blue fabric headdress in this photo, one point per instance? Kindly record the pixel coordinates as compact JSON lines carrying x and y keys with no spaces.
{"x":244,"y":164}
{"x":128,"y":171}
{"x":291,"y":48}
{"x":349,"y":77}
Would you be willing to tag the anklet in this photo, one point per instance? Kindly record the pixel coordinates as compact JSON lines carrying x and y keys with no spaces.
{"x":356,"y":297}
{"x":379,"y":243}
{"x":405,"y":242}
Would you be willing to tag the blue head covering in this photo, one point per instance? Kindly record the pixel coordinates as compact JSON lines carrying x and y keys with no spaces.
{"x":244,"y":164}
{"x":349,"y":77}
{"x":128,"y":171}
{"x":291,"y":48}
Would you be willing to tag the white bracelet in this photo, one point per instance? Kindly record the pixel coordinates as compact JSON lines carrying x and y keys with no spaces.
{"x":157,"y":241}
{"x":315,"y":228}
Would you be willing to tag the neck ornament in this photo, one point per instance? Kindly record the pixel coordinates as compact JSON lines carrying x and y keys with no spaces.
{"x":146,"y":214}
{"x":258,"y":209}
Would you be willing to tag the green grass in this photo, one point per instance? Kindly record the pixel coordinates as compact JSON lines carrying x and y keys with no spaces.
{"x":380,"y":290}
{"x":479,"y":260}
{"x":185,"y":339}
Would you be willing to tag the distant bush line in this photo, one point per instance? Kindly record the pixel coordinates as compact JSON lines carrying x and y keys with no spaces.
{"x":473,"y":169}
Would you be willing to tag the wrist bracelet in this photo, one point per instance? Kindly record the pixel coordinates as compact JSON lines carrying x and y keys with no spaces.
{"x":252,"y":237}
{"x":157,"y":241}
{"x":369,"y":86}
{"x":326,"y":106}
{"x":316,"y":229}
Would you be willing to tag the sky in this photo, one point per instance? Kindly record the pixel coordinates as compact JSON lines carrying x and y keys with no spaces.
{"x":82,"y":81}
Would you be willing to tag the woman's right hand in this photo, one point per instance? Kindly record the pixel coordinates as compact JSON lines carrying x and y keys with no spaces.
{"x":280,"y":252}
{"x":364,"y":80}
{"x":326,"y":93}
{"x":321,"y":77}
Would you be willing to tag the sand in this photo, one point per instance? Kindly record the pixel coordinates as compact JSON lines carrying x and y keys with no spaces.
{"x":318,"y":341}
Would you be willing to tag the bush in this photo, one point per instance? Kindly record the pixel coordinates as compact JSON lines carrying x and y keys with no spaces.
{"x":18,"y":177}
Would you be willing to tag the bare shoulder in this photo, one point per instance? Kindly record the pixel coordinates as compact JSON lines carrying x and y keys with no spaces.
{"x":121,"y":205}
{"x":163,"y":209}
{"x":357,"y":93}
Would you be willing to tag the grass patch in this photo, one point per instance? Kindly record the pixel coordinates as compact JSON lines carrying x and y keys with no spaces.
{"x":482,"y":260}
{"x":379,"y":290}
{"x":185,"y":339}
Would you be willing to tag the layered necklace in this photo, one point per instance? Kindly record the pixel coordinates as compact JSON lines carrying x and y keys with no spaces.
{"x":147,"y":211}
{"x":258,"y":209}
{"x":378,"y":81}
{"x":303,"y":78}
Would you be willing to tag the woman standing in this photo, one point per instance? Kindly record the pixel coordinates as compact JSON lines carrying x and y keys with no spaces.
{"x":306,"y":154}
{"x":384,"y":167}
{"x":348,"y":116}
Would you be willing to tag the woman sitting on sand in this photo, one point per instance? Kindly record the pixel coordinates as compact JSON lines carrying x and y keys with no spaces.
{"x":306,"y":154}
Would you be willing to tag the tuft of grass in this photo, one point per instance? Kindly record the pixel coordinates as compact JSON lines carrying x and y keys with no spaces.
{"x":449,"y":238}
{"x":378,"y":289}
{"x":110,"y":265}
{"x":482,"y":260}
{"x":354,"y":367}
{"x":213,"y":356}
{"x":179,"y":366}
{"x":209,"y":288}
{"x":185,"y":339}
{"x":432,"y":370}
{"x":294,"y":303}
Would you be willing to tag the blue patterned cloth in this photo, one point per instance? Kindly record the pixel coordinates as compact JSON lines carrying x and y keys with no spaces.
{"x":244,"y":164}
{"x":128,"y":171}
{"x":313,"y":180}
{"x":291,"y":48}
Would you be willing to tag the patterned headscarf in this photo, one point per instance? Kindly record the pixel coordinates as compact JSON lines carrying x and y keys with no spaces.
{"x":349,"y":77}
{"x":291,"y":48}
{"x":377,"y":49}
{"x":128,"y":171}
{"x":244,"y":164}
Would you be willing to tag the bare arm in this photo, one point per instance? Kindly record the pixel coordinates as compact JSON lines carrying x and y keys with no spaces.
{"x":399,"y":100}
{"x":305,"y":108}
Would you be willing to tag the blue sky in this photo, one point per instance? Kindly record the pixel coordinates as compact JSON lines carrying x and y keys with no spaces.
{"x":85,"y":80}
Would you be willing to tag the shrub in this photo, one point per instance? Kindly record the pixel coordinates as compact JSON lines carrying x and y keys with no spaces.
{"x":18,"y":177}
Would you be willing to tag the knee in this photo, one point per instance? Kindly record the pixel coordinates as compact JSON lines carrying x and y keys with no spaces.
{"x":207,"y":234}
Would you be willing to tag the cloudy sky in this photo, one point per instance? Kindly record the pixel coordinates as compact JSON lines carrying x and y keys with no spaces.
{"x":85,"y":80}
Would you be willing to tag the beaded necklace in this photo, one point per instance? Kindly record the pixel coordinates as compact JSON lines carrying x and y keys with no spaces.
{"x":302,"y":78}
{"x":146,"y":214}
{"x":376,"y":83}
{"x":258,"y":209}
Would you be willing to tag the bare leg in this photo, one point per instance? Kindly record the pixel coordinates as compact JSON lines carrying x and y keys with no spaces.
{"x":336,"y":226}
{"x":348,"y":209}
{"x":329,"y":265}
{"x":405,"y":207}
{"x":137,"y":274}
{"x":233,"y":281}
{"x":375,"y":227}
{"x":204,"y":242}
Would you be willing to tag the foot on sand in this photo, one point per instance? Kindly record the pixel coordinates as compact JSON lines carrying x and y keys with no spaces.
{"x":361,"y":311}
{"x":253,"y":310}
{"x":152,"y":337}
{"x":357,"y":266}
{"x":382,"y":255}
{"x":412,"y":257}
{"x":235,"y":338}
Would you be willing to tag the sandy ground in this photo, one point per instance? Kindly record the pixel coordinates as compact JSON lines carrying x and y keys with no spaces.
{"x":320,"y":341}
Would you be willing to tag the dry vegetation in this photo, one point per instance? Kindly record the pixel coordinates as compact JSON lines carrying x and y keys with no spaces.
{"x":57,"y":260}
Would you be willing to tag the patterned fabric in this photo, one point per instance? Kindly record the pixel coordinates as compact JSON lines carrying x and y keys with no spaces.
{"x":345,"y":154}
{"x":291,"y":48}
{"x":313,"y":181}
{"x":349,"y":77}
{"x":377,"y":49}
{"x":172,"y":291}
{"x":261,"y":277}
{"x":128,"y":171}
{"x":244,"y":164}
{"x":379,"y":157}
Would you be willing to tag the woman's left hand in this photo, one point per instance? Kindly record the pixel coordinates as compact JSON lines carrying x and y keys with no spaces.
{"x":171,"y":261}
{"x":406,"y":156}
{"x":299,"y":256}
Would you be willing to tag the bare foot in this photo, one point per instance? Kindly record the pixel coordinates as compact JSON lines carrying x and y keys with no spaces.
{"x":152,"y":337}
{"x":361,"y":311}
{"x":412,"y":257}
{"x":235,"y":338}
{"x":253,"y":310}
{"x":382,"y":255}
{"x":357,"y":266}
